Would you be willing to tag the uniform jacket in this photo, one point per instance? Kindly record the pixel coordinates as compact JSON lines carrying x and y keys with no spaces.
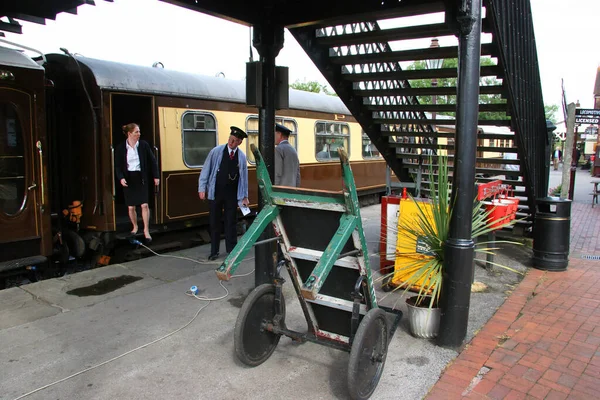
{"x":208,"y":176}
{"x":147,"y":160}
{"x":287,"y":166}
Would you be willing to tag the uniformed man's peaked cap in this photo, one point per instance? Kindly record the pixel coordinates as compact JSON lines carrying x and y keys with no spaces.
{"x":238,"y":133}
{"x":282,"y":129}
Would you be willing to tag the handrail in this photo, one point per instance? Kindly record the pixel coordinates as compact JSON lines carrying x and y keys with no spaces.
{"x":42,"y":185}
{"x":112,"y":164}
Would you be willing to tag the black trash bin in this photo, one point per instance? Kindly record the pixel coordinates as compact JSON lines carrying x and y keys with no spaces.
{"x":551,"y":234}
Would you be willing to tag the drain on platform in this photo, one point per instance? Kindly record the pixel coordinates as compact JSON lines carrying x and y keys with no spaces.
{"x":591,"y":257}
{"x":104,"y":286}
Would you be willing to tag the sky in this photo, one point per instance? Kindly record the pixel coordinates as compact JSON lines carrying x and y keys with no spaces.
{"x":146,"y":31}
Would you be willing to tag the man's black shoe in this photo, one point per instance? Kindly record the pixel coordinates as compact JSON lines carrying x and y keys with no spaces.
{"x":213,"y":257}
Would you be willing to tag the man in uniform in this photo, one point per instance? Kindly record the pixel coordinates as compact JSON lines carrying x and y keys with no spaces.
{"x":287,"y":166}
{"x":224,"y":182}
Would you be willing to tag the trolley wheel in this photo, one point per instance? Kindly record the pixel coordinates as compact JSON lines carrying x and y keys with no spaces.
{"x":253,"y":344}
{"x":368,"y":354}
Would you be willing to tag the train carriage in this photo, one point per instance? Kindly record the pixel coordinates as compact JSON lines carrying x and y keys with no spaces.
{"x":25,"y":234}
{"x":182,"y":116}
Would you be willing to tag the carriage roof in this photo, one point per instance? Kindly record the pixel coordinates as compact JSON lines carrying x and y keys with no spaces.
{"x":122,"y":77}
{"x":16,"y":58}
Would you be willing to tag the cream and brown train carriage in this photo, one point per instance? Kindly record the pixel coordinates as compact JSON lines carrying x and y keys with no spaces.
{"x":182,"y":116}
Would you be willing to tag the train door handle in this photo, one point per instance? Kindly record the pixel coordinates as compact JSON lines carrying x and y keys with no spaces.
{"x":112,"y":164}
{"x":33,"y":186}
{"x":39,"y":147}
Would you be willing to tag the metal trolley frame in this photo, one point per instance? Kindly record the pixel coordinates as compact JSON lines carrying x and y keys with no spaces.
{"x":325,"y":253}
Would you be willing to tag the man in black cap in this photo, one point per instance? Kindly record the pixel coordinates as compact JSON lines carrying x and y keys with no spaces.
{"x":287,"y":165}
{"x":224,"y":181}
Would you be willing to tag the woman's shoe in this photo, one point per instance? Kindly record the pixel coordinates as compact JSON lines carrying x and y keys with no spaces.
{"x":148,"y":239}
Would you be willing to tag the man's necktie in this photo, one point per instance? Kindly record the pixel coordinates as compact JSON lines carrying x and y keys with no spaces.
{"x":231,"y":155}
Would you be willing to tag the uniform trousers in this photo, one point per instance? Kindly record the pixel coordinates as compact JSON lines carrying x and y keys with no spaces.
{"x":223,"y":207}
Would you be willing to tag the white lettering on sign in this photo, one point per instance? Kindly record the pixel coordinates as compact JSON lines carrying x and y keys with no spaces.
{"x":587,"y":111}
{"x":584,"y":120}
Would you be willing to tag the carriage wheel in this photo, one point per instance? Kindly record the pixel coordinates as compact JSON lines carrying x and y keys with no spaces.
{"x":367,"y":355}
{"x":253,"y":344}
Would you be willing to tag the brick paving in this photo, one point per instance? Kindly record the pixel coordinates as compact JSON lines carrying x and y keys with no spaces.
{"x":544,"y":341}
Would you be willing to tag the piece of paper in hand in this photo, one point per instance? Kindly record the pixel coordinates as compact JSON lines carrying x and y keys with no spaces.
{"x":243,"y":208}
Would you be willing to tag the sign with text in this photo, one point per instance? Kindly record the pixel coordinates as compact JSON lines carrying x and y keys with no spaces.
{"x":587,"y":116}
{"x":580,"y":119}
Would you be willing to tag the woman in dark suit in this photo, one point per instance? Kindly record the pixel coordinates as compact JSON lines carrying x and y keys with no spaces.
{"x":134,"y":165}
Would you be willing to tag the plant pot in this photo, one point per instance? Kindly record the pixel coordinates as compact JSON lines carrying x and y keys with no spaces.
{"x":423,"y":322}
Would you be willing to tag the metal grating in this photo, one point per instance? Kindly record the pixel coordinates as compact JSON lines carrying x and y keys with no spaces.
{"x":589,"y":257}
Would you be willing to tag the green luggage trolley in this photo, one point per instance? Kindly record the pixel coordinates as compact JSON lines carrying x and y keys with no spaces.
{"x":325,"y":253}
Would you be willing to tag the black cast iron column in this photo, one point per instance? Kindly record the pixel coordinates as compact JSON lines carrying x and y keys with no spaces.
{"x":268,"y":40}
{"x":459,"y":249}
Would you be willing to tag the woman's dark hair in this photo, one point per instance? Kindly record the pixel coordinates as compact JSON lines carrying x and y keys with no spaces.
{"x":129,"y":128}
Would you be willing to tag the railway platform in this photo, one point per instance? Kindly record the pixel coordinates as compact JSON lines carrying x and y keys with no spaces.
{"x":130,"y":331}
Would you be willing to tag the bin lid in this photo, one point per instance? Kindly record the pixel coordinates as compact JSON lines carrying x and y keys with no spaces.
{"x":552,"y":199}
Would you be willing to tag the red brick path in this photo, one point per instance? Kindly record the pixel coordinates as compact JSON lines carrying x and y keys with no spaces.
{"x":544,"y":341}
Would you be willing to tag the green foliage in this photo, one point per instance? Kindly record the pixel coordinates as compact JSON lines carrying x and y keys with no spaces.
{"x":431,"y":228}
{"x":555,"y":191}
{"x":451,"y":82}
{"x":312,"y":86}
{"x":550,"y":111}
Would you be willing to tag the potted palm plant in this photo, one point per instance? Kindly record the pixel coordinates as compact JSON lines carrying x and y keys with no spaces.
{"x":426,"y":229}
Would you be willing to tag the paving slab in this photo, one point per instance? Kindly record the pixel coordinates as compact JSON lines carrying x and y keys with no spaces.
{"x":55,"y":291}
{"x":20,"y":307}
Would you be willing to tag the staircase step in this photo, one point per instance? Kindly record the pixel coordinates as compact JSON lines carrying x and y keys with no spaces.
{"x":405,"y":55}
{"x":435,"y":146}
{"x":430,"y":107}
{"x":387,"y":35}
{"x":487,"y":160}
{"x":411,"y":121}
{"x":426,"y":91}
{"x":480,"y":135}
{"x":411,"y":74}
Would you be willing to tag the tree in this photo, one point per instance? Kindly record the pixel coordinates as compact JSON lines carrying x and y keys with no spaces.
{"x":550,"y":110}
{"x":451,"y":82}
{"x":311,"y":86}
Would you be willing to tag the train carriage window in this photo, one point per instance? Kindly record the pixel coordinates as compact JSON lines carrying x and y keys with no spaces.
{"x":199,"y":130}
{"x":252,"y":131}
{"x":329,"y":137}
{"x":368,"y":148}
{"x":12,"y":161}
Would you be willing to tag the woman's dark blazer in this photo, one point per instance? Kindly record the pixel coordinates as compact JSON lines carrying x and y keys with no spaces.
{"x":146,"y":159}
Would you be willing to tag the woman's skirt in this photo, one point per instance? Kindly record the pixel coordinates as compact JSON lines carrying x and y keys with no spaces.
{"x":136,"y":192}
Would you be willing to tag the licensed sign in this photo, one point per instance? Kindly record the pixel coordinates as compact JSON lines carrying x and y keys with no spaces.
{"x":582,"y":119}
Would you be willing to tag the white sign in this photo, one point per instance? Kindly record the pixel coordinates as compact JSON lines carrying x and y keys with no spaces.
{"x":586,"y":120}
{"x":590,"y":112}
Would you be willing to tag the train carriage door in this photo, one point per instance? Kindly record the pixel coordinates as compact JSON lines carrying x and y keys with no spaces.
{"x":20,"y":218}
{"x":139,"y":109}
